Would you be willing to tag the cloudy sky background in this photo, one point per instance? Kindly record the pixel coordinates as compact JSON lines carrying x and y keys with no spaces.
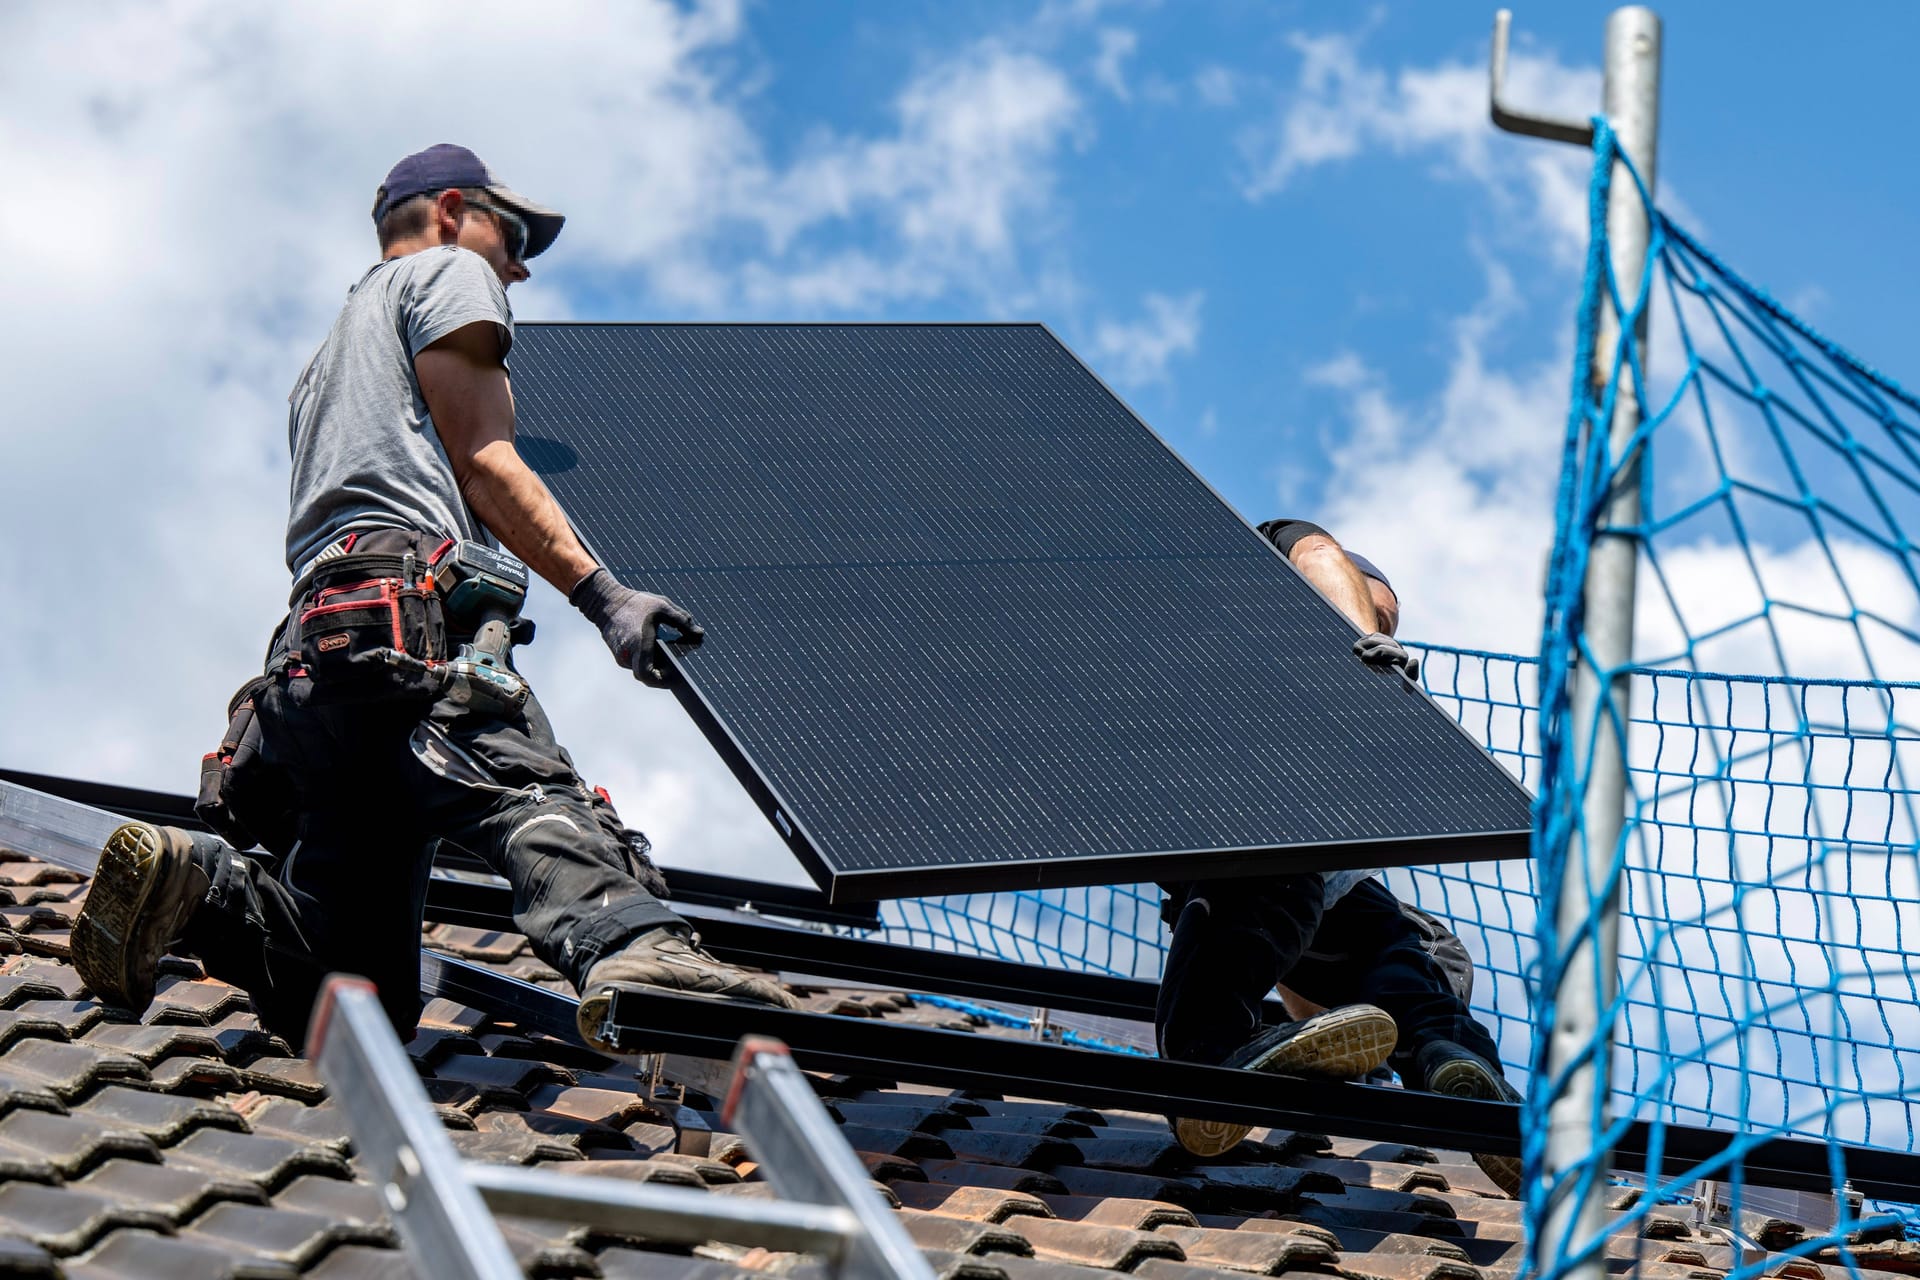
{"x":1285,"y":232}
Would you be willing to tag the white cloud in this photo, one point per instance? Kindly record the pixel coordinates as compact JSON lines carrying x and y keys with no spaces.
{"x":1217,"y":86}
{"x":1343,"y":106}
{"x":1135,"y":353}
{"x":211,"y":168}
{"x":1117,"y":44}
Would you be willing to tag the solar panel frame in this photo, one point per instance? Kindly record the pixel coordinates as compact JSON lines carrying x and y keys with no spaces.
{"x":841,"y":882}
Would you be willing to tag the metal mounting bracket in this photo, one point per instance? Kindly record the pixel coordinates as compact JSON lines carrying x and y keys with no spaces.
{"x":1577,"y":132}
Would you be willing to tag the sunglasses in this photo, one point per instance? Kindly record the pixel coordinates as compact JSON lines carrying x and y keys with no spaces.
{"x":513,"y":228}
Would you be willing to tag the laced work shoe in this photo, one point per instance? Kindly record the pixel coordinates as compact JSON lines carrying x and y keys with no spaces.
{"x":144,"y":890}
{"x":1460,"y":1073}
{"x":669,"y":960}
{"x":1340,"y":1044}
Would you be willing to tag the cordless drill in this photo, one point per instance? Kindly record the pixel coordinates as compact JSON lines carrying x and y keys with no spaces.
{"x":482,"y":588}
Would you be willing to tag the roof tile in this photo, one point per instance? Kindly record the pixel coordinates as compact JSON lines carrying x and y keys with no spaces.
{"x":323,"y":1123}
{"x":505,"y":1081}
{"x":929,"y":1115}
{"x":162,"y":1117}
{"x":1136,"y":1151}
{"x":978,"y":1204}
{"x":194,"y":1001}
{"x":20,"y":1259}
{"x":660,"y":1171}
{"x":1265,"y":1253}
{"x":1028,"y":1151}
{"x":501,"y":1145}
{"x":1119,"y":1211}
{"x":958,"y":1235}
{"x":65,"y":1222}
{"x":151,"y":1044}
{"x":23,"y":979}
{"x":593,"y":1106}
{"x":284,"y":1235}
{"x":72,"y":1144}
{"x":73,"y":1017}
{"x":1405,"y":1266}
{"x":1117,"y":1248}
{"x":1082,"y":1181}
{"x":1380,"y":1175}
{"x":269,"y":1162}
{"x":70,"y":1071}
{"x":909,"y":1144}
{"x":967,"y":1173}
{"x":142,"y":1255}
{"x":177,"y":1192}
{"x":194,"y":1075}
{"x":359,"y":1262}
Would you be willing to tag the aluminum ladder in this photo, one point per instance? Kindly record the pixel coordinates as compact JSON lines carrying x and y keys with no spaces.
{"x":444,"y":1204}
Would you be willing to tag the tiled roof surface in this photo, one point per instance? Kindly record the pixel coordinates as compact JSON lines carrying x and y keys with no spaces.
{"x":193,"y":1144}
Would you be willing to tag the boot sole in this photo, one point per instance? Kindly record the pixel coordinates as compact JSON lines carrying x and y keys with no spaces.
{"x":117,"y":942}
{"x":1342,"y":1044}
{"x":1463,"y":1079}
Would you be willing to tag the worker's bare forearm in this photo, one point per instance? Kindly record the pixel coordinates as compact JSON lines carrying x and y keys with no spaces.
{"x":1321,"y":562}
{"x":515,"y":505}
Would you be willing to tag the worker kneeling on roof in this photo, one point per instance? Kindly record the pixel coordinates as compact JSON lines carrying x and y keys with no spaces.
{"x":389,"y":705}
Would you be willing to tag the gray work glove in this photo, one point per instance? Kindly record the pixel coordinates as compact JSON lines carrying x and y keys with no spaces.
{"x":630,"y":622}
{"x":1378,"y":649}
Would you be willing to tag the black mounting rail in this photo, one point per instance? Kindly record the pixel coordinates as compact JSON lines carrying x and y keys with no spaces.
{"x":782,"y":948}
{"x":642,"y":1021}
{"x":702,"y":887}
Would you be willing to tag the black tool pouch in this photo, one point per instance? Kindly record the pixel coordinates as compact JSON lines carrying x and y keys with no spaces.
{"x":243,"y":798}
{"x":365,"y":630}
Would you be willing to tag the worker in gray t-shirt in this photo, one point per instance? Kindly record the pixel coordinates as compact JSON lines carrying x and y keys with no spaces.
{"x":389,"y":716}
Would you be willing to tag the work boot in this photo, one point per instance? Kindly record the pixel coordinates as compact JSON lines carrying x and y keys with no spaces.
{"x":1445,"y":1067}
{"x":669,"y":959}
{"x":145,"y":888}
{"x":1340,"y":1044}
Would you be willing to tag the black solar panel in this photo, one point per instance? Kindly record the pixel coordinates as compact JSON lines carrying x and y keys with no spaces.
{"x":972,"y":626}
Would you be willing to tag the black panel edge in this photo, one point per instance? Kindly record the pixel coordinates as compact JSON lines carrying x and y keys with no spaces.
{"x":1200,"y":864}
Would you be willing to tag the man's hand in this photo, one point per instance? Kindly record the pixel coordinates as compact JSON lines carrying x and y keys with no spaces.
{"x":1378,"y":649}
{"x":630,"y":622}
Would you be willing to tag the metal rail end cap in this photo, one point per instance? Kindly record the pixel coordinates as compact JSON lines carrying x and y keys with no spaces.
{"x":330,"y":991}
{"x":745,"y":1055}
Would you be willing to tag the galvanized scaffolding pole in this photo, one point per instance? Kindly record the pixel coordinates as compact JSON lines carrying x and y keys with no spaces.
{"x":1580,"y":1044}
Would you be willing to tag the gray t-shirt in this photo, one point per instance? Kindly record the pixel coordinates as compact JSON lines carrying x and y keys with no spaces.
{"x":365,"y":454}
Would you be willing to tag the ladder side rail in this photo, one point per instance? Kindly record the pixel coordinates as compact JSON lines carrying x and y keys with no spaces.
{"x":446,"y":1227}
{"x":805,"y":1156}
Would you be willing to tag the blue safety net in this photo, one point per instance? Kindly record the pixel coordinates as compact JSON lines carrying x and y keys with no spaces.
{"x":1766,"y":872}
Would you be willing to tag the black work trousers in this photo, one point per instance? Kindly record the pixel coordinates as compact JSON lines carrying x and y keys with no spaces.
{"x":1234,"y":939}
{"x":378,"y":787}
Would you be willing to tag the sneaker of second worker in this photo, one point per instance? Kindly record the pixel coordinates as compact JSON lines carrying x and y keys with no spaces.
{"x":669,"y":959}
{"x":1445,"y":1067}
{"x":1340,"y":1044}
{"x":146,"y":886}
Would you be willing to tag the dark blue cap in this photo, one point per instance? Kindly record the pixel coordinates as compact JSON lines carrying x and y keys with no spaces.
{"x":446,"y":165}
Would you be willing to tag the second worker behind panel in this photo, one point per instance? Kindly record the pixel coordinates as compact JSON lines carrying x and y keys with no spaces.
{"x":389,"y":712}
{"x":1339,"y":939}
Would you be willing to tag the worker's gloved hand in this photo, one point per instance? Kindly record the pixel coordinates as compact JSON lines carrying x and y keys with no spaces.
{"x":630,"y":622}
{"x":1378,"y":649}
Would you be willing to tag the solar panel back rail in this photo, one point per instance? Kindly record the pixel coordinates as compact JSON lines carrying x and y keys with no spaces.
{"x":972,"y":626}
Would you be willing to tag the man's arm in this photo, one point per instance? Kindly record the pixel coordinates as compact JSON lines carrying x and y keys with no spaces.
{"x":471,"y":401}
{"x":1321,"y":561}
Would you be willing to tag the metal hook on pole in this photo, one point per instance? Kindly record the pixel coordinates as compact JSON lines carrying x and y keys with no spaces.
{"x":1578,"y":132}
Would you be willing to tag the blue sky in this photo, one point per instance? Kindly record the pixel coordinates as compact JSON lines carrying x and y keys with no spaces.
{"x":1283,"y":231}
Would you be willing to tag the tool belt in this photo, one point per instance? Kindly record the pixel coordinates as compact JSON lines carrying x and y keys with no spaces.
{"x":243,"y":798}
{"x":368,"y":624}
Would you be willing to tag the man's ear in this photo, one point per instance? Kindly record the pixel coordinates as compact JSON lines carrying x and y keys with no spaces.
{"x":448,"y":208}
